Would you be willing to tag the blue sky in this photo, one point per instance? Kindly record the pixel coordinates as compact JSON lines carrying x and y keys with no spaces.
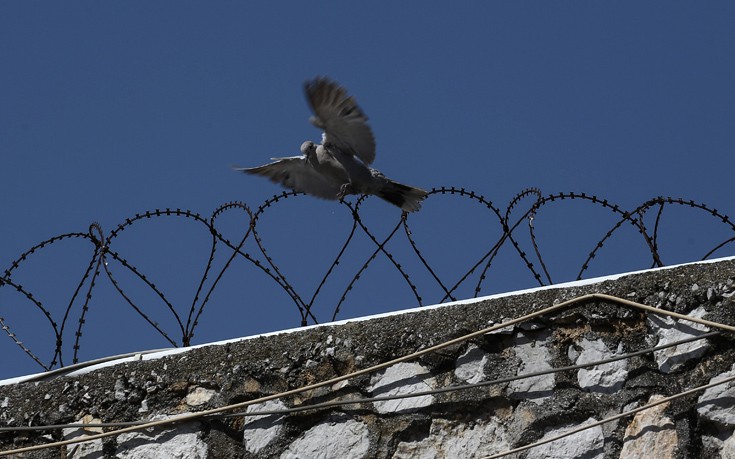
{"x":112,"y":108}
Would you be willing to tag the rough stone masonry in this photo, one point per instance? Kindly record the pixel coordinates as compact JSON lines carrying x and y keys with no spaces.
{"x":471,"y":423}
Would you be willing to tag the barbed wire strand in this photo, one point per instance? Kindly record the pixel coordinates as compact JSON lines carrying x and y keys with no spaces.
{"x":102,"y":244}
{"x":19,"y":288}
{"x":191,"y":324}
{"x":605,"y":204}
{"x":530,"y":215}
{"x":6,"y":280}
{"x":372,"y":369}
{"x":122,"y":293}
{"x":335,"y":262}
{"x":94,"y":264}
{"x":287,"y":288}
{"x":304,"y":308}
{"x":189,"y":328}
{"x":718,"y":247}
{"x":414,"y":246}
{"x":115,"y":255}
{"x":20,"y":344}
{"x":380,"y":248}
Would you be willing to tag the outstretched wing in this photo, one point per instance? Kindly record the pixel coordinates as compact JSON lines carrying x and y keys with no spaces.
{"x":345,"y":125}
{"x":296,"y":174}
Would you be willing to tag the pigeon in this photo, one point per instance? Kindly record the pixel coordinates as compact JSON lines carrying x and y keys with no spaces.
{"x":340,"y":165}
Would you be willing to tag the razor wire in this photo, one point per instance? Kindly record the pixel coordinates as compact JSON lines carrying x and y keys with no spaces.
{"x":528,"y":206}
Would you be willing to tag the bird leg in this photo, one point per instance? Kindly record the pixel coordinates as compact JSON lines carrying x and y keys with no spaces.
{"x":344,"y":190}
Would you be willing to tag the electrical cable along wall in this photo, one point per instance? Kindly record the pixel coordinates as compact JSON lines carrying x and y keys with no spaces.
{"x":514,"y":230}
{"x":637,"y":366}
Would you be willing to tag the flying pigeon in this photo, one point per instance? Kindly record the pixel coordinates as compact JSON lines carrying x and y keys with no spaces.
{"x":339,"y":166}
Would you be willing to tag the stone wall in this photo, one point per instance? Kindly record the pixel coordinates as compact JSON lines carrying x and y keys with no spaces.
{"x":477,"y":421}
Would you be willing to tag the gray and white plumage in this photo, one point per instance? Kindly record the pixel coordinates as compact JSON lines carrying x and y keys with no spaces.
{"x":337,"y":114}
{"x":340,"y":164}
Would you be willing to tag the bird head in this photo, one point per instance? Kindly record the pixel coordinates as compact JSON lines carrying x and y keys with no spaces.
{"x":307,"y":147}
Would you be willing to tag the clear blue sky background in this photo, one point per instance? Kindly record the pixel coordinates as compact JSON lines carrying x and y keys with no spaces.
{"x":113,"y":108}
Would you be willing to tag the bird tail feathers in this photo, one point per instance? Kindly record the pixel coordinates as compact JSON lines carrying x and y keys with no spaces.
{"x":406,"y":197}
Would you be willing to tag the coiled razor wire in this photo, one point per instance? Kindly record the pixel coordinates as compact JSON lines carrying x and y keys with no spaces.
{"x":509,"y":222}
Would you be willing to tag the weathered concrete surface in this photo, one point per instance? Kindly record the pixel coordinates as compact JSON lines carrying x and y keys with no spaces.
{"x":473,"y":422}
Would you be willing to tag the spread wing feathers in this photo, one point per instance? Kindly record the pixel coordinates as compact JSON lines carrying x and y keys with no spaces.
{"x":344,"y":124}
{"x":296,"y":174}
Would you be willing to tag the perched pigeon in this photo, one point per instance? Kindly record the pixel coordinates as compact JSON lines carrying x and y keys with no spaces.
{"x":339,"y":165}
